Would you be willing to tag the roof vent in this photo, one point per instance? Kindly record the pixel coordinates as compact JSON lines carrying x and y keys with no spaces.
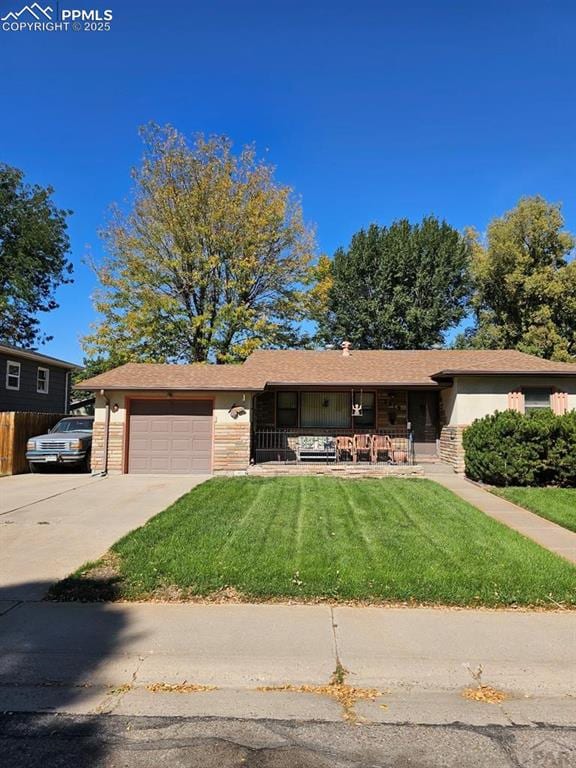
{"x":346,"y":348}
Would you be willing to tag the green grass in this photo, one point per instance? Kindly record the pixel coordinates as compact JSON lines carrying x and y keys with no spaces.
{"x":318,"y":537}
{"x":555,"y":504}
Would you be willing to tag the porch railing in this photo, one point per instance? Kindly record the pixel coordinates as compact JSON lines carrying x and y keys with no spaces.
{"x":284,"y":445}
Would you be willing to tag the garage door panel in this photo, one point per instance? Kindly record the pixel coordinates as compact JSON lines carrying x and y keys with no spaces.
{"x":170,"y":436}
{"x":182,"y":444}
{"x":179,"y":464}
{"x":139,"y":441}
{"x":138,"y":464}
{"x":158,"y":464}
{"x":159,"y":425}
{"x":182,"y":427}
{"x":139,"y":427}
{"x":159,"y":444}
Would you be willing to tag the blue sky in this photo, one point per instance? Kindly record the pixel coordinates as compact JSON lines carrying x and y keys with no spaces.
{"x":370,"y":110}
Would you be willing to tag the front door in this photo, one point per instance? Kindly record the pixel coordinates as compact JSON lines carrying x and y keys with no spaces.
{"x":423,"y":415}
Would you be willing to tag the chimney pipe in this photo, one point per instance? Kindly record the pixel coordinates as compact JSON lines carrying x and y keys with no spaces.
{"x":346,"y":348}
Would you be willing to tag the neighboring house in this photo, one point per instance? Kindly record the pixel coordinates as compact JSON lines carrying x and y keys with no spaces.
{"x":30,"y":381}
{"x":83,"y":407}
{"x":212,"y":418}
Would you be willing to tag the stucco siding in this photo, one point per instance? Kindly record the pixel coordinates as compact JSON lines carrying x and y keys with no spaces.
{"x":472,"y":397}
{"x":477,"y":396}
{"x":449,"y":400}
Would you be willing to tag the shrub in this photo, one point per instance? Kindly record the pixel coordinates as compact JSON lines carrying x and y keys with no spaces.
{"x":562,"y":450}
{"x":509,"y":448}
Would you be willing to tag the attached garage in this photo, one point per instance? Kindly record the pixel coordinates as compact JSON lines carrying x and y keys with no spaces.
{"x":170,"y":436}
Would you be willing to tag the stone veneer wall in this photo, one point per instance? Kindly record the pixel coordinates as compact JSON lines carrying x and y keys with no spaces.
{"x":115,"y":447}
{"x":231,"y":447}
{"x":451,"y":448}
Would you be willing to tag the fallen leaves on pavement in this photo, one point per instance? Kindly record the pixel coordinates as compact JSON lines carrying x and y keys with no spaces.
{"x":179,"y":688}
{"x":346,"y":695}
{"x":484,"y":693}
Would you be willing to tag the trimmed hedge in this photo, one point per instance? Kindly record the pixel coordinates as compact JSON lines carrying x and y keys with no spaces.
{"x":510,"y":448}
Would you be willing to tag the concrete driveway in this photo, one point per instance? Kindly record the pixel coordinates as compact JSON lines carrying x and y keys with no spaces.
{"x":50,"y":524}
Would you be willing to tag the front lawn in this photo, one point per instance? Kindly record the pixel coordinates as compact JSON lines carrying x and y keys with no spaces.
{"x":328,"y":538}
{"x":555,"y":504}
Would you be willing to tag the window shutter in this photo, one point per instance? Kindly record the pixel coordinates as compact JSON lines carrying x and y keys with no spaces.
{"x":516,"y":401}
{"x":559,"y":403}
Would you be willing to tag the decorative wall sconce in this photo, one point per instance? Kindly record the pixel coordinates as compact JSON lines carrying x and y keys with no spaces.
{"x":236,"y":410}
{"x":115,"y":408}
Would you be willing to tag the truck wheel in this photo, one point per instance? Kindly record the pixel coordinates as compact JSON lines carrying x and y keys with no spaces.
{"x":34,"y":468}
{"x":86,"y":465}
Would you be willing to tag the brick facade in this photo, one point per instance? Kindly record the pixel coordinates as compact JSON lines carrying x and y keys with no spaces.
{"x":392,"y":408}
{"x":115,"y":448}
{"x":231,"y":447}
{"x":451,"y":448}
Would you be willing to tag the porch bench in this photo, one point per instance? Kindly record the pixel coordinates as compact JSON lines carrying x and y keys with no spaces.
{"x":312,"y":448}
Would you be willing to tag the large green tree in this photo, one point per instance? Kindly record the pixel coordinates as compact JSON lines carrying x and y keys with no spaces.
{"x":33,"y":257}
{"x":397,"y":287}
{"x":210,"y":261}
{"x":525,"y":283}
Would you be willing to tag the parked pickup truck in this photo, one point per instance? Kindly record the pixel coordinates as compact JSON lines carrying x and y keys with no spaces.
{"x":68,"y":442}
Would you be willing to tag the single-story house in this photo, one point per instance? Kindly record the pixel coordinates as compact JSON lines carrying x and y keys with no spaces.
{"x":152,"y":418}
{"x":31,"y":381}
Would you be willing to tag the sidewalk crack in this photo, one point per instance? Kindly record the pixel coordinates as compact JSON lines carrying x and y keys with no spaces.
{"x":11,"y":607}
{"x":334,"y":637}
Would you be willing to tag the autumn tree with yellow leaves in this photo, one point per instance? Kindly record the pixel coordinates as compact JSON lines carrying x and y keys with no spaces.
{"x":210,"y":262}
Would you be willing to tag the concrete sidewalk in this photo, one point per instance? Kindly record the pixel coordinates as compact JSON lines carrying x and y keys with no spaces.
{"x":555,"y":538}
{"x":89,"y":658}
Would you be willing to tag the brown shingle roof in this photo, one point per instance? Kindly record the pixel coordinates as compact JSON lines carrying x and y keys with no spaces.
{"x":416,"y":367}
{"x":367,"y":367}
{"x":160,"y":376}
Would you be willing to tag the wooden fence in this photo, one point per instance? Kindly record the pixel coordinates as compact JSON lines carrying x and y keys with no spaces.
{"x":16,"y":428}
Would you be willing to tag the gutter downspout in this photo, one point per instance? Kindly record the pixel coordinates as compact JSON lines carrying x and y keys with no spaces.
{"x":67,"y":393}
{"x":106,"y":432}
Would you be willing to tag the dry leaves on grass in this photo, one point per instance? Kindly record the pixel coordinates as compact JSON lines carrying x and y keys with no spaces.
{"x":179,"y":688}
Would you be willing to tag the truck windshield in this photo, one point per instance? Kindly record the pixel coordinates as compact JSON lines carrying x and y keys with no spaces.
{"x":73,"y":425}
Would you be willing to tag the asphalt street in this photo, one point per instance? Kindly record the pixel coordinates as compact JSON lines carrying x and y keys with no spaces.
{"x":113,"y":741}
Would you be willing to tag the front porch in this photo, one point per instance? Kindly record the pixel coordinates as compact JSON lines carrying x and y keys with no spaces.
{"x":335,"y":427}
{"x":341,"y":469}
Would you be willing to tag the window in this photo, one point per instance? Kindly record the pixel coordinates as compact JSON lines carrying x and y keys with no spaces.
{"x":536,"y":397}
{"x":325,"y":409}
{"x":368,"y":402}
{"x":12,"y":375}
{"x":287,"y":409}
{"x":42,"y":380}
{"x":74,"y":425}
